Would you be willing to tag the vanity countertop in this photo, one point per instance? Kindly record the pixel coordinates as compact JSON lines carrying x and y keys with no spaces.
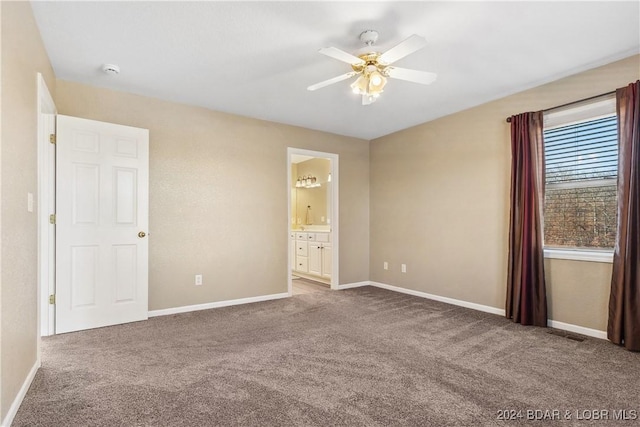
{"x":313,"y":229}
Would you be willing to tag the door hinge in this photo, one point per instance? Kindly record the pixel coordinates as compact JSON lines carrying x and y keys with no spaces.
{"x":52,"y":138}
{"x":52,"y":299}
{"x":52,"y":219}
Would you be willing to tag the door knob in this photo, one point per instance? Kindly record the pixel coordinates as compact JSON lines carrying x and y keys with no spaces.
{"x":141,"y":234}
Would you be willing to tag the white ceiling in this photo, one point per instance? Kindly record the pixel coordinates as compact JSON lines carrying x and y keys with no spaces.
{"x":256,"y":59}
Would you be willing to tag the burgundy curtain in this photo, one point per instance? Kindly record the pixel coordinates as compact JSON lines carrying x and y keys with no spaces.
{"x":526,"y":291}
{"x":624,"y":300}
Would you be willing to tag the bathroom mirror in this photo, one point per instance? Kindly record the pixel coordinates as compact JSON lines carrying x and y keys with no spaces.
{"x":311,"y":193}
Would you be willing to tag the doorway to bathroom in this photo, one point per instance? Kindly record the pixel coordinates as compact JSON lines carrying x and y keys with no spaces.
{"x":313,"y":220}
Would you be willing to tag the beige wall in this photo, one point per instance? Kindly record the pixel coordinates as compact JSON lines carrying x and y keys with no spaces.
{"x":578,"y":292}
{"x":440,"y":204}
{"x":23,"y":56}
{"x":218,"y":195}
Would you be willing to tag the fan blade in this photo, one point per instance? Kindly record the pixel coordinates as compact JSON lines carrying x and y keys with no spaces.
{"x":341,"y":55}
{"x":415,"y":76}
{"x":402,"y":49}
{"x":332,"y":81}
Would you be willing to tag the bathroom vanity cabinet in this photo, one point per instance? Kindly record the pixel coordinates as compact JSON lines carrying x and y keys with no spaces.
{"x":311,"y":254}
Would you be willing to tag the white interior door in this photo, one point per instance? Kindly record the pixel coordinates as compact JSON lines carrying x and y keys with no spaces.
{"x":102,"y":210}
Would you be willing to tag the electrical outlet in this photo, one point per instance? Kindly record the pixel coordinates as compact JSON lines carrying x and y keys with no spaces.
{"x":198,"y":279}
{"x":404,"y":268}
{"x":386,"y":265}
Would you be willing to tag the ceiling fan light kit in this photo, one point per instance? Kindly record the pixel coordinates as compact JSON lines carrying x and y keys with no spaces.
{"x":374,"y":68}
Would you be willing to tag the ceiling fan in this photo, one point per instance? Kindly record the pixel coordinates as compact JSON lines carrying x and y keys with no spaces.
{"x":373,"y":68}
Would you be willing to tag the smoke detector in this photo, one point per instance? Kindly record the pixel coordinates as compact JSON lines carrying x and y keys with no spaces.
{"x":111,"y":69}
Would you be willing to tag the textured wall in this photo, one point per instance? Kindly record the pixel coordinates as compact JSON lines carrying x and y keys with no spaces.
{"x":218,"y":195}
{"x":440,"y":203}
{"x":23,"y":56}
{"x":578,"y":292}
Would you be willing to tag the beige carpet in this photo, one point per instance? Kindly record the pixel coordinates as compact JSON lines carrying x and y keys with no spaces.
{"x":361,"y":357}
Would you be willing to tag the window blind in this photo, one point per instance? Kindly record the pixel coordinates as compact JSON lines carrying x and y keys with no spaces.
{"x":582,"y":151}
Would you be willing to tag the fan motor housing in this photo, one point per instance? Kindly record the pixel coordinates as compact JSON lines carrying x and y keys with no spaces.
{"x":369,"y":59}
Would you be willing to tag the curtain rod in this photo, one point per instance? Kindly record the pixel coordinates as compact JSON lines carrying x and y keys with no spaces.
{"x":573,"y":102}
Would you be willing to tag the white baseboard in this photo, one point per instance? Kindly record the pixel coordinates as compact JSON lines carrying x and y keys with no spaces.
{"x":217,"y":304}
{"x":485,"y":308}
{"x":493,"y":310}
{"x":13,"y":409}
{"x":354,"y":285}
{"x":577,"y":329}
{"x":471,"y":305}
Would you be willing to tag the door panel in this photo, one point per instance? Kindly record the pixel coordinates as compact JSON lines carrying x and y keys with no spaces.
{"x":86,"y":194}
{"x":101,"y":205}
{"x":84,"y":275}
{"x":125,"y":195}
{"x":124,"y":269}
{"x":315,"y":259}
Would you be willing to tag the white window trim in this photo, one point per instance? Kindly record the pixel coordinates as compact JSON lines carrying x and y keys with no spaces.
{"x":592,"y":255}
{"x":604,"y":107}
{"x":591,"y":110}
{"x":583,"y":183}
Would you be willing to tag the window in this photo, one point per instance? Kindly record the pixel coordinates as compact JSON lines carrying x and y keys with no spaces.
{"x":581,"y":159}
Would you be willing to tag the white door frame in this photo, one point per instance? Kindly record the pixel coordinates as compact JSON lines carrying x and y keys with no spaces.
{"x":46,"y":199}
{"x":335,"y":235}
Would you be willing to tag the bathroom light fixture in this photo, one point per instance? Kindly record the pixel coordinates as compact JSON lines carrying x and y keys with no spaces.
{"x":307,"y":182}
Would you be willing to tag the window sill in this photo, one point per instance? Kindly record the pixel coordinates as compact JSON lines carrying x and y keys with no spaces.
{"x":593,"y":255}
